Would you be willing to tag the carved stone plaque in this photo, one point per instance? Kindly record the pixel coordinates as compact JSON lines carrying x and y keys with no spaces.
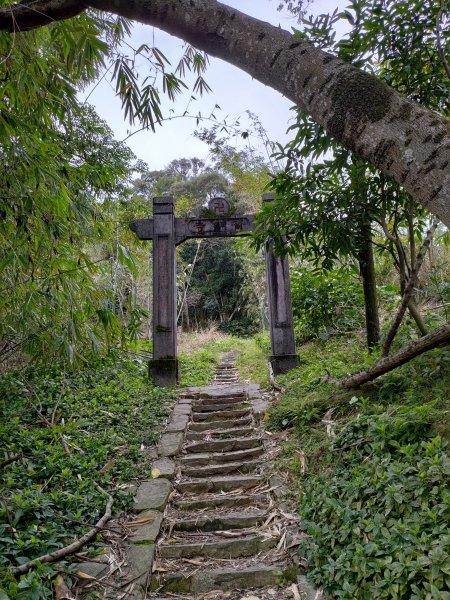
{"x":219,"y":206}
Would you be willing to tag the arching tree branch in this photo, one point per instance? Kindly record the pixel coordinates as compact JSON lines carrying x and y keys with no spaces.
{"x":31,"y":14}
{"x":403,"y":139}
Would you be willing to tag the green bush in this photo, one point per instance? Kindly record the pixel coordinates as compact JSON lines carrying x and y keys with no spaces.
{"x":378,"y":525}
{"x":241,"y":327}
{"x":325,"y":302}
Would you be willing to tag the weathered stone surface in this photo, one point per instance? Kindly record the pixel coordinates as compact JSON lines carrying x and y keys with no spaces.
{"x":178,"y":423}
{"x":232,"y":548}
{"x":212,"y":391}
{"x":221,"y":433}
{"x":238,"y":577}
{"x":182,"y":409}
{"x":223,"y":501}
{"x":218,"y":407}
{"x":226,"y":468}
{"x":93,"y":569}
{"x":217,"y":425}
{"x":207,"y":458}
{"x":226,"y":445}
{"x":152,"y":495}
{"x":218,"y":522}
{"x":218,"y":484}
{"x":220,"y":415}
{"x":147,"y":532}
{"x":140,"y":561}
{"x":165,"y":466}
{"x":170,"y":444}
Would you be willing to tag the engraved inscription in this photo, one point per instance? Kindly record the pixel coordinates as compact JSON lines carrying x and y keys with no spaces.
{"x":163,"y":283}
{"x":218,"y":227}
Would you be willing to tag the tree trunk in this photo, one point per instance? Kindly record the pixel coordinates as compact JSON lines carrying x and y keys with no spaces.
{"x":417,"y":316}
{"x":401,"y":138}
{"x":367,"y":271}
{"x":440,"y":337}
{"x":409,"y":290}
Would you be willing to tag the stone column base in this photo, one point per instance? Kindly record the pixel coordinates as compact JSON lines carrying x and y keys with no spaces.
{"x":282,"y":363}
{"x":164,"y":371}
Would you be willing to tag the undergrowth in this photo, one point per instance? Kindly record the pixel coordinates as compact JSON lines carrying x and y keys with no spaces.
{"x":374,"y":498}
{"x":72,"y":431}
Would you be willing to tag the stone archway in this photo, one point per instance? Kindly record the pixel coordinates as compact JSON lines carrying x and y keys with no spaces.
{"x":167,"y":232}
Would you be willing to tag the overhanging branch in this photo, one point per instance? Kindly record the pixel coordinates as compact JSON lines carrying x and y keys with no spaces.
{"x":31,"y":14}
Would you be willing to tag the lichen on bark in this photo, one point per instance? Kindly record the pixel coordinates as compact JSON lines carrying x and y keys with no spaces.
{"x":357,"y":98}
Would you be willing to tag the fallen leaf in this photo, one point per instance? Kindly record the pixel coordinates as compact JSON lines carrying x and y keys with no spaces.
{"x":141,"y":520}
{"x":62,"y":592}
{"x":155,"y":473}
{"x":82,"y":575}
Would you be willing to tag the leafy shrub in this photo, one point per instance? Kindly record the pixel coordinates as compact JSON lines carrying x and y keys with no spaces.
{"x":378,"y":525}
{"x":325,"y":301}
{"x":241,"y":327}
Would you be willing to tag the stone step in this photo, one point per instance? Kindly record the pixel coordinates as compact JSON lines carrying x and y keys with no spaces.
{"x":230,"y":398}
{"x":226,"y":445}
{"x":220,"y":415}
{"x":207,"y":458}
{"x":227,"y":400}
{"x":205,"y":408}
{"x":236,"y":547}
{"x":222,"y":469}
{"x":217,"y":425}
{"x":221,"y":433}
{"x":219,"y":484}
{"x":216,"y":522}
{"x":222,"y":501}
{"x":225,"y":579}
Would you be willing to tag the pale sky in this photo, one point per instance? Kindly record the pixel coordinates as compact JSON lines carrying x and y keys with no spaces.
{"x":233,"y":90}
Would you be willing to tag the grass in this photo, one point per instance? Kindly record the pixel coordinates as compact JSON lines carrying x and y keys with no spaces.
{"x":252,"y":359}
{"x":73,"y":430}
{"x":200,"y":354}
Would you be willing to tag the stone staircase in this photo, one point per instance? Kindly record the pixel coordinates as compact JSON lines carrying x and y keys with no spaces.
{"x":223,"y":529}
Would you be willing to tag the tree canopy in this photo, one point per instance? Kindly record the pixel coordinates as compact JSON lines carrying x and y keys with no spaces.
{"x":400,"y":137}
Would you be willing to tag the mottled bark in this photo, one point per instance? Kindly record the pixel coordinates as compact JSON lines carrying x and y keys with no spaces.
{"x":367,"y":272}
{"x":401,"y":138}
{"x":440,"y":337}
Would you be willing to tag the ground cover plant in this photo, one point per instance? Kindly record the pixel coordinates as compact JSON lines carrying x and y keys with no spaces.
{"x":71,"y":432}
{"x":370,"y":472}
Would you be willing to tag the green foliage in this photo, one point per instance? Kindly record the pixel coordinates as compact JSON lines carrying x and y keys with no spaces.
{"x":326,"y":302}
{"x":216,"y":289}
{"x":241,"y":327}
{"x":378,"y":526}
{"x":73,"y":429}
{"x":374,"y":500}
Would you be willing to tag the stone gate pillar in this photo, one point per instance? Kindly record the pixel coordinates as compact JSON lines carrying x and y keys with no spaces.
{"x":282,"y":341}
{"x":164,"y":366}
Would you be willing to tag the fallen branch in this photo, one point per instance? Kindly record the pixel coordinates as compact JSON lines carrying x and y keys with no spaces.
{"x":71,"y":548}
{"x":439,"y":337}
{"x":11,"y":459}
